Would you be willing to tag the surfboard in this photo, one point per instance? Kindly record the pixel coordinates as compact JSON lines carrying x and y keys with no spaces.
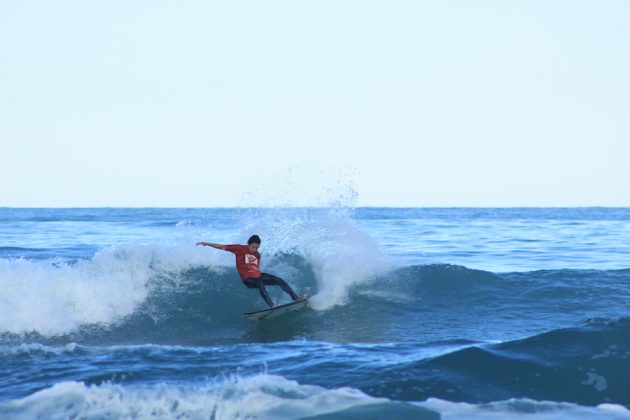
{"x":278,"y":310}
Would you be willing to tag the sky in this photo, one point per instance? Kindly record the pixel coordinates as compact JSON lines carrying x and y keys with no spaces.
{"x":252,"y":103}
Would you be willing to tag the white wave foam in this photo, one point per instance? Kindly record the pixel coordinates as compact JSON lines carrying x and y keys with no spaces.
{"x":55,"y":298}
{"x":269,"y":397}
{"x":342,"y":255}
{"x":36,"y":348}
{"x":524,"y":409}
{"x":261,"y":396}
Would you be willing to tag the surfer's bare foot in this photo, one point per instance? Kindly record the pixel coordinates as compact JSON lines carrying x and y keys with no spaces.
{"x":299,"y":298}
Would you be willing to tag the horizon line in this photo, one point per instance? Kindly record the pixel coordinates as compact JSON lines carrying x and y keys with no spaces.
{"x":322,"y":207}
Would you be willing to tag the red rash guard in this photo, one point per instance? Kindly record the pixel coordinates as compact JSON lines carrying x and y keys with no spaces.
{"x":247,"y":263}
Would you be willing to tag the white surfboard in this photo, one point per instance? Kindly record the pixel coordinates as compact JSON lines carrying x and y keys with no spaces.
{"x":278,"y":310}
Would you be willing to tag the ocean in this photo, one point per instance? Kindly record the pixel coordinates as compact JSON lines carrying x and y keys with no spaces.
{"x":424,"y":313}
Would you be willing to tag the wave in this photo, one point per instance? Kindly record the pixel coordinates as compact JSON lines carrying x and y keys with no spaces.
{"x":271,"y":397}
{"x":179,"y":293}
{"x":586,"y":365}
{"x":260,"y":396}
{"x":324,"y":257}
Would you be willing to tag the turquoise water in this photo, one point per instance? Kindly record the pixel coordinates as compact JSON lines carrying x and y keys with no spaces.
{"x":425,"y":313}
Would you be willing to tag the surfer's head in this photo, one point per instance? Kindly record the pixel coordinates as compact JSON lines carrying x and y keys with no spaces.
{"x":253,"y":243}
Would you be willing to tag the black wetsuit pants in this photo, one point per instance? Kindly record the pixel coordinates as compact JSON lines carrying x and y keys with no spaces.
{"x":268,"y":280}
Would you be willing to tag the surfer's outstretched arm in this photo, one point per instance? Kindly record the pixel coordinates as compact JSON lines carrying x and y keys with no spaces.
{"x":217,"y":246}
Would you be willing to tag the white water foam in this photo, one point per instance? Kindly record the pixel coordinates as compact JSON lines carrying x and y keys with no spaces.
{"x":36,"y":348}
{"x":524,"y":409}
{"x":55,"y":298}
{"x":260,"y":396}
{"x":264,"y":396}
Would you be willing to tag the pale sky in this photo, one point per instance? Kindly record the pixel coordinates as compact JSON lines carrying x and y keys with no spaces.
{"x":247,"y":103}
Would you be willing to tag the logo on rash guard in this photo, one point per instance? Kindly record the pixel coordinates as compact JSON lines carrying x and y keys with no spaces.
{"x":251,"y":259}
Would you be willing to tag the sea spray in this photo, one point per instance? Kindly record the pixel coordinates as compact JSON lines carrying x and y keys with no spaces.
{"x":340,"y":253}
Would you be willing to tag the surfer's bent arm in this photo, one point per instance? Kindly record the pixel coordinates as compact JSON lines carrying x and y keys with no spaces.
{"x":217,"y":246}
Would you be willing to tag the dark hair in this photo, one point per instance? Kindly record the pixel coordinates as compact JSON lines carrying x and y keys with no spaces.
{"x":254,"y":239}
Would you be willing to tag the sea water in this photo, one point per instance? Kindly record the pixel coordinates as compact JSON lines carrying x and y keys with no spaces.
{"x":415,"y":313}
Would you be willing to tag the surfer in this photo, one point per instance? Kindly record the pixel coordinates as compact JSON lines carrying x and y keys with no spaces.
{"x":248,"y":266}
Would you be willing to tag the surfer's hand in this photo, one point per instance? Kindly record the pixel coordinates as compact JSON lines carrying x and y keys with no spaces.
{"x":201,"y":243}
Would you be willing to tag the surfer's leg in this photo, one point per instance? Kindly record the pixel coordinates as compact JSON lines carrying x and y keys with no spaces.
{"x":270,"y":280}
{"x":260,"y":285}
{"x":250,"y":284}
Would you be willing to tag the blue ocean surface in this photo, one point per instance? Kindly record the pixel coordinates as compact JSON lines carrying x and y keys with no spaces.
{"x":454,"y":313}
